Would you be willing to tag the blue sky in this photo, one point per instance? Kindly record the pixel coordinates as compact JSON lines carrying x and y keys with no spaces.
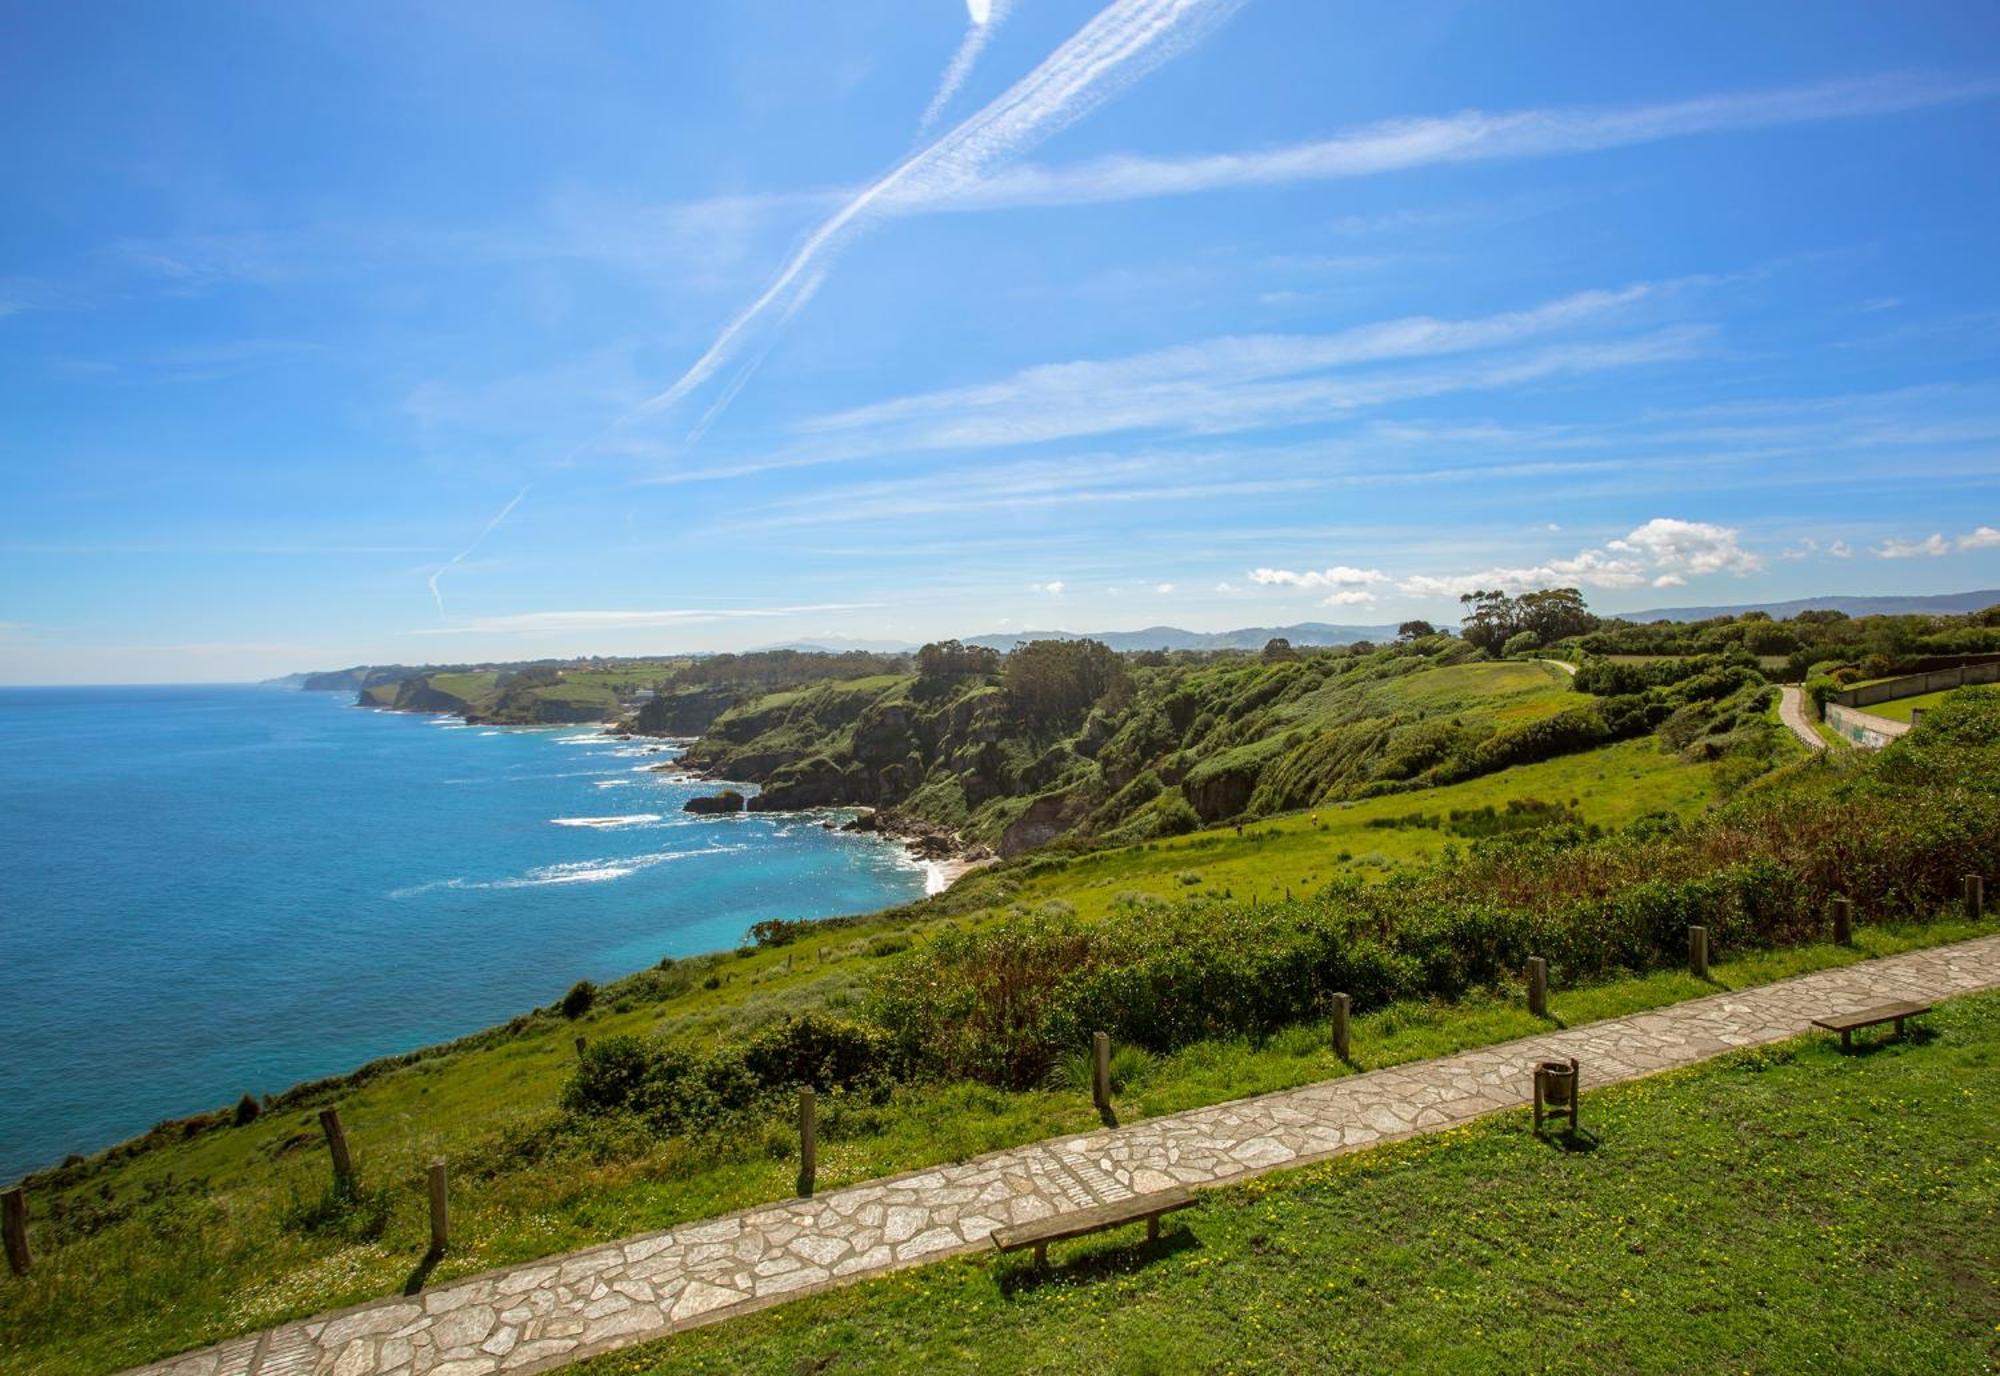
{"x":334,"y":333}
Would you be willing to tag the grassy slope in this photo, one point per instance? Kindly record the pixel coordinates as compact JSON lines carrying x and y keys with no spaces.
{"x":217,"y":1257}
{"x":1785,"y":1210}
{"x":1304,"y":851}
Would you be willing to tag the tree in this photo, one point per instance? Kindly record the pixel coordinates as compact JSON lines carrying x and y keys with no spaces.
{"x":944,"y":662}
{"x":1052,"y":682}
{"x":1277,"y":647}
{"x":1415,"y":630}
{"x":1493,"y":618}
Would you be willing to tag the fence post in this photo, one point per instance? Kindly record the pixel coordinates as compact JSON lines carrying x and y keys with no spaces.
{"x":808,"y":1141}
{"x":15,"y":1202}
{"x":1538,"y":986}
{"x":1343,"y":1005}
{"x":1975,"y":897}
{"x":1843,"y":921}
{"x":440,"y":1207}
{"x":336,"y":1143}
{"x":1100,"y":1070}
{"x":1698,"y":952}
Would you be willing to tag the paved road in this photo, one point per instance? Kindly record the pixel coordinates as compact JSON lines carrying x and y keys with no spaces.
{"x":543,"y":1315}
{"x":1792,"y":711}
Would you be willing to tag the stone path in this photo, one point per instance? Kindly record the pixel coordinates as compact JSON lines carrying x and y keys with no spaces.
{"x":542,"y":1315}
{"x":1792,"y":711}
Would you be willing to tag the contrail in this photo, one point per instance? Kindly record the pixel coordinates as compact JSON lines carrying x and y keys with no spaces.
{"x":985,"y":16}
{"x":1127,"y":40}
{"x":505,"y":511}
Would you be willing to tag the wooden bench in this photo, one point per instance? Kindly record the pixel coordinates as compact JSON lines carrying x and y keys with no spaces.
{"x":1042,"y":1231}
{"x":1847,"y":1024}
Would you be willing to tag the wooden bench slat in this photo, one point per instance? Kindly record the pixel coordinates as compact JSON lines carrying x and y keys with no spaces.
{"x":1870,"y":1017}
{"x":1060,"y":1227}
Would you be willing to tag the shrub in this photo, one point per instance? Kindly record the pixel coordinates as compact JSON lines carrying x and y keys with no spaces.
{"x":247,"y":1109}
{"x":578,"y":1000}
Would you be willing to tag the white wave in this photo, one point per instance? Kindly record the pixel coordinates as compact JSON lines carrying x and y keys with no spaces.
{"x":570,"y":872}
{"x":489,"y":733}
{"x":614,"y":783}
{"x":593,"y":738}
{"x":631,"y":819}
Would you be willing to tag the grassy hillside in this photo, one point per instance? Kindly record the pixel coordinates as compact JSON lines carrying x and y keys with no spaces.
{"x":1083,"y":746}
{"x":208,"y":1227}
{"x":1789,"y":1209}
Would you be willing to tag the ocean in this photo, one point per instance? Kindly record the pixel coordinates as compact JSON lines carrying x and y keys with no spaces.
{"x":207,"y":891}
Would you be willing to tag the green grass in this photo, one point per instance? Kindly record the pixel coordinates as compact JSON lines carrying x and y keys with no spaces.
{"x":1304,"y":851}
{"x":1789,"y":1209}
{"x":1899,"y":709}
{"x":198,"y":1247}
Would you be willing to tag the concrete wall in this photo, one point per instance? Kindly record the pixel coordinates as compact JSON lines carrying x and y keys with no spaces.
{"x":1916,"y":685}
{"x":1863,"y":729}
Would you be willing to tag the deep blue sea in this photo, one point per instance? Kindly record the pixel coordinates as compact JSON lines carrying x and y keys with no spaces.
{"x":212,"y":890}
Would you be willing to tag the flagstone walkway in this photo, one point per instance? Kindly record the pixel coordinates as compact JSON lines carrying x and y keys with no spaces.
{"x":539,"y":1316}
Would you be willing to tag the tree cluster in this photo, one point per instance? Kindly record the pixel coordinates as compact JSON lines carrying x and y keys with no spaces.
{"x":1053,"y":682}
{"x":1493,"y":619}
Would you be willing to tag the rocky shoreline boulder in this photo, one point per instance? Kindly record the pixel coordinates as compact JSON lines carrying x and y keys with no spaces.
{"x":727,"y":801}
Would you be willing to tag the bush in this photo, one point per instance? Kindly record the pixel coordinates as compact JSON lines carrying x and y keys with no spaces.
{"x":247,"y":1109}
{"x":578,"y":1000}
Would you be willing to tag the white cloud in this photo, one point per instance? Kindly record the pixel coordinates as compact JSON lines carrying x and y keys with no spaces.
{"x":1164,"y":588}
{"x":1932,"y":546}
{"x":1339,"y":576}
{"x":1243,"y":382}
{"x":1054,"y":588}
{"x":1352,"y":597}
{"x":1224,"y":587}
{"x":984,"y":16}
{"x":1840,"y":549}
{"x":1124,"y":42}
{"x":1935,"y":545}
{"x":1474,"y":135}
{"x":1664,"y":552}
{"x":1689,"y":547}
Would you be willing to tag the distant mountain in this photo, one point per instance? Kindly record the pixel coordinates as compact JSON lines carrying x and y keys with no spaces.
{"x":840,"y":645}
{"x":1174,"y":638}
{"x":1940,"y":604}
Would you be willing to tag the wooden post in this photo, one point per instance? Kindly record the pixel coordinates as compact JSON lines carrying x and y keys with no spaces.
{"x":336,"y":1143}
{"x":15,"y":1203}
{"x":440,"y":1207}
{"x":808,"y":1141}
{"x":1538,"y":986}
{"x":1343,"y":1006}
{"x":1698,"y":952}
{"x":1975,"y":897}
{"x":1843,"y":921}
{"x":1100,"y":1070}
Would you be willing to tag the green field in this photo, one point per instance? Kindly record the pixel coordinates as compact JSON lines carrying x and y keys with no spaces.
{"x":1790,"y":1209}
{"x":1899,"y":709}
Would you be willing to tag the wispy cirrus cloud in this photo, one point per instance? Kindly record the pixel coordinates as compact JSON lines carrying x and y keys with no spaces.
{"x":983,"y":17}
{"x":1124,"y":42}
{"x":1247,"y":382}
{"x":565,"y":622}
{"x":1470,"y":136}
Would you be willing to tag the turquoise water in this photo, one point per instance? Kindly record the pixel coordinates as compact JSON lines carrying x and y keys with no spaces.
{"x":212,"y":890}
